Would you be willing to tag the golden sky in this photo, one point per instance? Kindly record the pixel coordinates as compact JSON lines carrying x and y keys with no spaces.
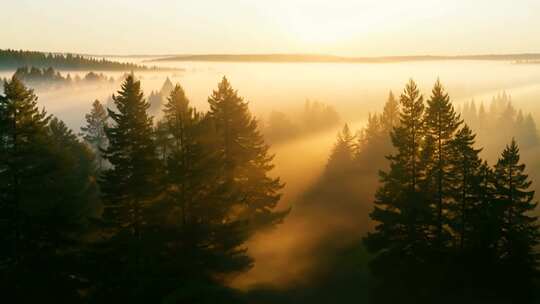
{"x":343,"y":27}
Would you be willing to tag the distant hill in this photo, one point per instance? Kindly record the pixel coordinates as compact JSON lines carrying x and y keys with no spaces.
{"x":338,"y":59}
{"x":13,"y":59}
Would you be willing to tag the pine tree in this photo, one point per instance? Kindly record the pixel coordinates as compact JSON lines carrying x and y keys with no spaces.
{"x":245,"y":158}
{"x":401,"y":236}
{"x":374,"y":130}
{"x":342,"y":155}
{"x":390,"y":114}
{"x":441,"y":123}
{"x":183,"y":159}
{"x":48,"y":186}
{"x":94,"y":131}
{"x":463,"y":184}
{"x":166,"y":88}
{"x":23,"y":134}
{"x":204,"y":232}
{"x":130,"y":185}
{"x":519,"y":229}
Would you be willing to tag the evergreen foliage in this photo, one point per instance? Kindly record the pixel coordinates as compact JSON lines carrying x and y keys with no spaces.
{"x":49,"y":195}
{"x":455,"y":228}
{"x":245,"y":159}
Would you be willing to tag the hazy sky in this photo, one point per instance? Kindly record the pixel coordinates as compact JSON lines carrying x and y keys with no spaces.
{"x":346,"y":27}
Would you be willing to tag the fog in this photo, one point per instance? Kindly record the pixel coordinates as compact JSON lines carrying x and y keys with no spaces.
{"x":355,"y":90}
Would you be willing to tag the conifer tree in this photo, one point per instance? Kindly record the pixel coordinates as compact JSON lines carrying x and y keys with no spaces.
{"x":402,"y":215}
{"x":342,"y":155}
{"x":519,"y":229}
{"x":129,"y":186}
{"x":390,"y":114}
{"x":94,"y":131}
{"x":440,"y":122}
{"x":245,"y":158}
{"x":48,"y":192}
{"x":205,"y":235}
{"x":166,"y":88}
{"x":464,"y":180}
{"x":23,"y":134}
{"x":184,"y":158}
{"x":374,"y":130}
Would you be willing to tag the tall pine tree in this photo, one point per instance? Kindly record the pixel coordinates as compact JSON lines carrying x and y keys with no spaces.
{"x":196,"y":222}
{"x":441,"y":123}
{"x":23,"y":135}
{"x":464,"y":182}
{"x":519,"y":229}
{"x":48,"y":192}
{"x":130,"y":185}
{"x":402,"y":214}
{"x":245,"y":158}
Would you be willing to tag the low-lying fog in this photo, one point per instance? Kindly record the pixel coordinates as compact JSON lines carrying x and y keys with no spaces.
{"x":353,"y":89}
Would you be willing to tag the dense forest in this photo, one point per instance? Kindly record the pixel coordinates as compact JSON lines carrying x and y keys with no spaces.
{"x":49,"y":78}
{"x":446,"y":226}
{"x":13,"y":59}
{"x":138,"y":210}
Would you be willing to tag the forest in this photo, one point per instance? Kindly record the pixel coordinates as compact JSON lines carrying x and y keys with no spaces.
{"x":13,"y":59}
{"x":50,"y":78}
{"x":135,"y":209}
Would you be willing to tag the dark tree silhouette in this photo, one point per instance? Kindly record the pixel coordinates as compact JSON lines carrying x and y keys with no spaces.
{"x":519,"y":230}
{"x":441,"y":122}
{"x":48,"y":193}
{"x":245,"y":158}
{"x":485,"y":235}
{"x":23,"y":133}
{"x":130,"y":185}
{"x":401,"y":236}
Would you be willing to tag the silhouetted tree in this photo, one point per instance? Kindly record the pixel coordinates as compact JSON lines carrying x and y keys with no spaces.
{"x":519,"y":229}
{"x":401,"y":236}
{"x":23,"y":134}
{"x":464,"y":179}
{"x":48,"y":194}
{"x":130,"y":185}
{"x":196,"y":222}
{"x":245,"y":158}
{"x":441,"y":122}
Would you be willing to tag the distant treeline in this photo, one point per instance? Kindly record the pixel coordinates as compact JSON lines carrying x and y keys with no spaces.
{"x":51,"y":78}
{"x":12,"y":59}
{"x":338,"y":59}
